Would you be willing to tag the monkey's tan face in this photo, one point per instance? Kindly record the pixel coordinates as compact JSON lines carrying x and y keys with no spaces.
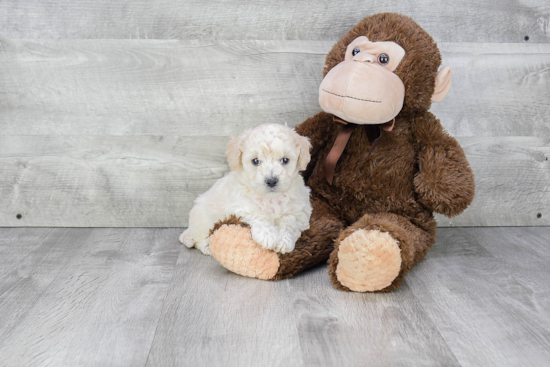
{"x":363,"y":88}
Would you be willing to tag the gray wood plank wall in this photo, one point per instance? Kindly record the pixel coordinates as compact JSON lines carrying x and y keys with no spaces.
{"x":117,"y":113}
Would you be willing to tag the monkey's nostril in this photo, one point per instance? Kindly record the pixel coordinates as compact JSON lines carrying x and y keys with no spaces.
{"x":272,"y":181}
{"x":368,"y":60}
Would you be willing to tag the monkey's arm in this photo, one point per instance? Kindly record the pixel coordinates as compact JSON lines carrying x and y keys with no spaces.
{"x":444,"y":182}
{"x":318,"y":129}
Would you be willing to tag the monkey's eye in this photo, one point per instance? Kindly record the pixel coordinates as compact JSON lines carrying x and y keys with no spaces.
{"x":383,"y":59}
{"x":284,"y":161}
{"x":355,"y":51}
{"x":256,"y":162}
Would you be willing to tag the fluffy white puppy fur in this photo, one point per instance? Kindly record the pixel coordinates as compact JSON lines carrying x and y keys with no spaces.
{"x":263,"y":188}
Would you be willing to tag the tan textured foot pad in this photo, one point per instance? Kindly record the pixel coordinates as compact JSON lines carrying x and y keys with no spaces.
{"x":233,"y":247}
{"x":368,"y":261}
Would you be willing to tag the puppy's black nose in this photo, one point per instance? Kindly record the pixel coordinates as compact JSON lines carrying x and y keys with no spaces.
{"x":272,"y":181}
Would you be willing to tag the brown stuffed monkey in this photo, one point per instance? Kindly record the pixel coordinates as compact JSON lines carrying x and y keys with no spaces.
{"x":381,"y":165}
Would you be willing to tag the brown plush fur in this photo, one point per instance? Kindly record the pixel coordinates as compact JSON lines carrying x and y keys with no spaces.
{"x":313,"y":248}
{"x":316,"y":243}
{"x":413,"y":242}
{"x":414,"y":170}
{"x":233,"y":219}
{"x":419,"y":67}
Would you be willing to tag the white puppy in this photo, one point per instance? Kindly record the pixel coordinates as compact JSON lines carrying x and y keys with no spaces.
{"x":263,"y":188}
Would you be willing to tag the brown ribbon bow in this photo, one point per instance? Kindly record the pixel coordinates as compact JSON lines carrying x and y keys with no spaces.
{"x":373,"y":134}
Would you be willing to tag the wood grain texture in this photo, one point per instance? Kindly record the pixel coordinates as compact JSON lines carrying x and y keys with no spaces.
{"x":120,"y":87}
{"x":30,"y":261}
{"x":135,"y":297}
{"x":113,"y":181}
{"x":151,"y":181}
{"x":351,"y":329}
{"x":129,"y":132}
{"x":506,"y":322}
{"x":198,"y":88}
{"x":468,"y":21}
{"x":102,"y":303}
{"x":512,"y":176}
{"x":525,"y":253}
{"x":214,"y":317}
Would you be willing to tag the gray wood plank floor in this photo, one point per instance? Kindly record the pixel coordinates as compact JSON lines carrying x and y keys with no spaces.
{"x":135,"y":297}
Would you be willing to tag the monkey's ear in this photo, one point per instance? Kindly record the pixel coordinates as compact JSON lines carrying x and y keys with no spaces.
{"x":303,"y":159}
{"x":234,"y":153}
{"x":442,"y":84}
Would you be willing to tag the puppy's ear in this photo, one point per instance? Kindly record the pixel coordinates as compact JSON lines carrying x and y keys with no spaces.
{"x":304,"y":145}
{"x":234,"y":153}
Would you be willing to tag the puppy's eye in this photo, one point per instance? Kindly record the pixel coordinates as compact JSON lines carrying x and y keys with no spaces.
{"x":285,"y":160}
{"x":355,"y":51}
{"x":256,"y":162}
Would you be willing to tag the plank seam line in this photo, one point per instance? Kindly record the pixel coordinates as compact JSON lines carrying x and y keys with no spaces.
{"x":432,"y":322}
{"x":174,"y":270}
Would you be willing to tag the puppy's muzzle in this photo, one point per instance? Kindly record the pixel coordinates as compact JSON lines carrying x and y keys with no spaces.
{"x":271,"y":182}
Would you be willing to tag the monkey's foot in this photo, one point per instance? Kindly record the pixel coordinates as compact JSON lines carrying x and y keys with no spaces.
{"x":232,"y":246}
{"x":367,"y":261}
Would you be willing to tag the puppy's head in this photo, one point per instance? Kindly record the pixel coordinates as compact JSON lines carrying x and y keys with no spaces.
{"x":269,"y":157}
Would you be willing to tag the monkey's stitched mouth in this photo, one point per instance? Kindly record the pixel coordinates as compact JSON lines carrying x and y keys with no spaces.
{"x":359,"y":99}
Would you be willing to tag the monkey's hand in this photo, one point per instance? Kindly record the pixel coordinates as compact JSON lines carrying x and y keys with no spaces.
{"x":445,"y":181}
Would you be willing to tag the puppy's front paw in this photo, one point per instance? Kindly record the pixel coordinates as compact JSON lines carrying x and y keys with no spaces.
{"x":186,"y":239}
{"x":265,"y":236}
{"x":286,"y":243}
{"x":204,"y":246}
